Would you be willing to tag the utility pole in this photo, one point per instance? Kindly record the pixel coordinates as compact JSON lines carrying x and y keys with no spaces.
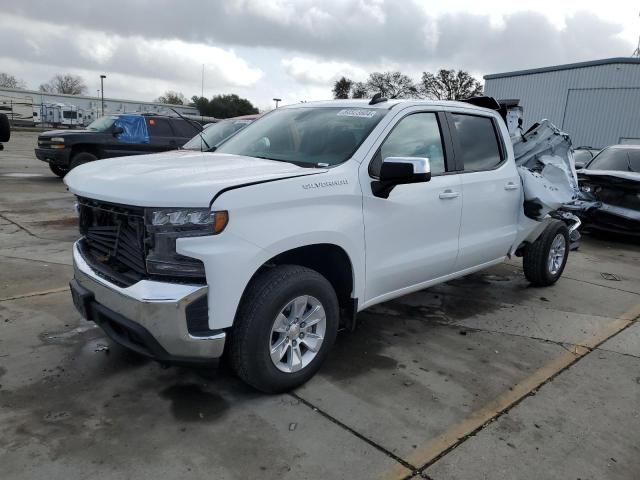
{"x":102,"y":77}
{"x":277,"y":100}
{"x":636,"y":53}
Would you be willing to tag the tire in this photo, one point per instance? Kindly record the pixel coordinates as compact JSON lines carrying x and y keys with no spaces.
{"x":81,"y":158}
{"x":538,"y":267}
{"x":5,"y":128}
{"x":268,"y":299}
{"x":59,"y":171}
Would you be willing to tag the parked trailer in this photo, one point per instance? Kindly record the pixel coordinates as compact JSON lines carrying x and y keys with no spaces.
{"x":19,"y":110}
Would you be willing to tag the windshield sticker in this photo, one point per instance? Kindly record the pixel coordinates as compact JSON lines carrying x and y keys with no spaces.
{"x":356,"y":113}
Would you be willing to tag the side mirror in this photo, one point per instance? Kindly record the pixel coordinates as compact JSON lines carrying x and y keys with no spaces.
{"x":579,"y":164}
{"x":400,"y":171}
{"x":117,"y":131}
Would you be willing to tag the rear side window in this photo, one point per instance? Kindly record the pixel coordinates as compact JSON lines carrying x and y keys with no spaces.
{"x":159,"y":127}
{"x":417,"y":135}
{"x":184,"y":129}
{"x":479,"y":144}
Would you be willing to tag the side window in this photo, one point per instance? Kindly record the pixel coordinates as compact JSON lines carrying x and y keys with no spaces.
{"x":184,"y":129}
{"x":159,"y":127}
{"x":478,"y":142}
{"x":417,"y":135}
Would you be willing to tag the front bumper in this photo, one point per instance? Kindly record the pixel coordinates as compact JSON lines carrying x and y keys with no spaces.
{"x":149,"y":317}
{"x":54,"y":156}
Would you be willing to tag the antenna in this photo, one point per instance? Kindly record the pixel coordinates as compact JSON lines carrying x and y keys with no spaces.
{"x":636,"y":53}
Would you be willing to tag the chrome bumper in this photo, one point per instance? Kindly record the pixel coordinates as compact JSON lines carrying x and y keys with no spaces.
{"x":158,"y":307}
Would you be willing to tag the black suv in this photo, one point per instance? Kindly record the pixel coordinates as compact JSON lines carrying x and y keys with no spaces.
{"x":113,"y":136}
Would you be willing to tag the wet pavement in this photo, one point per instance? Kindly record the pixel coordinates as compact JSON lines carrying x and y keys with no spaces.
{"x":482,"y":377}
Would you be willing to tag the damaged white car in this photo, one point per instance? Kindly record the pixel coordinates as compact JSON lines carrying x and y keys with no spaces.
{"x":262,"y":250}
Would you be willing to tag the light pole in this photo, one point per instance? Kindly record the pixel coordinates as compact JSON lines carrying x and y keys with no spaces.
{"x":102,"y":77}
{"x":277,"y":100}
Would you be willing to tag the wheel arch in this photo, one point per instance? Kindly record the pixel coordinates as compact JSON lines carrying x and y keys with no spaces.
{"x":332,"y":262}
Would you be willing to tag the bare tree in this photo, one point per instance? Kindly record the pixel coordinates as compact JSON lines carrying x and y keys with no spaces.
{"x":391,"y":85}
{"x":65,"y":83}
{"x":10,"y":81}
{"x":449,"y":85}
{"x":342,"y":88}
{"x":172,"y":98}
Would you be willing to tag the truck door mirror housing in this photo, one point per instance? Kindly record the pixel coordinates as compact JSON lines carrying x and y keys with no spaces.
{"x":400,"y":171}
{"x":117,"y":131}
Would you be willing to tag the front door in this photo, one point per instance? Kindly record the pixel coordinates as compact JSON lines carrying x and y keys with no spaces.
{"x":412,"y":236}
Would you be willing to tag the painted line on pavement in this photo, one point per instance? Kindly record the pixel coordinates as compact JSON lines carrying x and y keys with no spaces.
{"x":36,"y":294}
{"x":436,"y":448}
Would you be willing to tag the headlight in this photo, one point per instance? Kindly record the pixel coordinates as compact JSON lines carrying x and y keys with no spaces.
{"x":192,"y":220}
{"x":166,"y":225}
{"x":56,"y":139}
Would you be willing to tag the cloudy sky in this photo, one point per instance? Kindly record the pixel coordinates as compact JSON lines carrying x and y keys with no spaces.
{"x":295,"y":49}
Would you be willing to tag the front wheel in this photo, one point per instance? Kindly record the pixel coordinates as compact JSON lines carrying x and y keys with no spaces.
{"x":59,"y":171}
{"x":285,"y":326}
{"x":82,"y":158}
{"x":544,"y":260}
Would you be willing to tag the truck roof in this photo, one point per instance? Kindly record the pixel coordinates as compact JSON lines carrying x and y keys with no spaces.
{"x":387,"y":104}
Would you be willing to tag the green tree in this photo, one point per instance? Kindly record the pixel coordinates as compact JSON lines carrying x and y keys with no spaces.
{"x":172,"y":98}
{"x":449,"y":85}
{"x":224,"y":106}
{"x":391,"y":85}
{"x":342,"y":88}
{"x":359,"y":90}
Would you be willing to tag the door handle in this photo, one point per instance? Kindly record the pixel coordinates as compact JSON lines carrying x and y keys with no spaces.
{"x":449,"y":194}
{"x":511,"y":186}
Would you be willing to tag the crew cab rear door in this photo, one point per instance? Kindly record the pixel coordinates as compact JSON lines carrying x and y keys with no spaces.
{"x":411,"y":237}
{"x":490,"y":184}
{"x":161,"y":134}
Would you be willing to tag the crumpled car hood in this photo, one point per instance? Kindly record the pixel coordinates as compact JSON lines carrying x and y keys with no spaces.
{"x":546,"y":166}
{"x":174,"y":179}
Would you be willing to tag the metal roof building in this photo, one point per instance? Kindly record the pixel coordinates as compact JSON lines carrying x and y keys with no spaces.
{"x":597,"y":103}
{"x":91,"y":105}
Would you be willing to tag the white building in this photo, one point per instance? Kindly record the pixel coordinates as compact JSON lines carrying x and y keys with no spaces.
{"x":25,"y":106}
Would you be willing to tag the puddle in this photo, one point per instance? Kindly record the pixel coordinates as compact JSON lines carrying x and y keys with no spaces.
{"x":190,"y":403}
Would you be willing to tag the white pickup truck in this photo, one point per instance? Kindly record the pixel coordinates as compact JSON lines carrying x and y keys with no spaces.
{"x":265,"y":248}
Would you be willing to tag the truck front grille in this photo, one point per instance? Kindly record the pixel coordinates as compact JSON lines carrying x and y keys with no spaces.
{"x":114,"y":239}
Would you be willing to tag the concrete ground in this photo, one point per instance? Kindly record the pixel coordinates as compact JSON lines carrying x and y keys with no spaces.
{"x":482,"y":377}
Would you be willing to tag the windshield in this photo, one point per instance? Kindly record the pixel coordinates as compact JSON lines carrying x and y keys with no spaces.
{"x":306,"y":136}
{"x":582,"y":157}
{"x":215,"y":134}
{"x":102,"y":124}
{"x":620,"y":159}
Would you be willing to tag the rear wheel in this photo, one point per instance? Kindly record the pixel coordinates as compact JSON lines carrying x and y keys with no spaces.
{"x":285,"y":326}
{"x":544,"y":260}
{"x":82,"y":158}
{"x":59,"y":171}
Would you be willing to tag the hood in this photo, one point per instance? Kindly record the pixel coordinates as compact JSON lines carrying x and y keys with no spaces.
{"x":174,"y":179}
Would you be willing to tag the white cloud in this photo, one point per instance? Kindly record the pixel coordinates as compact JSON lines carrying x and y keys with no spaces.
{"x":307,"y":70}
{"x":167,"y":61}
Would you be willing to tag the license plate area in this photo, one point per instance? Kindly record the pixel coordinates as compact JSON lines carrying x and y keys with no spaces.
{"x":82,"y":299}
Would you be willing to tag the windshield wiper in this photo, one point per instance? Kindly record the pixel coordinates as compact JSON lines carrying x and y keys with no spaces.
{"x":198,"y":128}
